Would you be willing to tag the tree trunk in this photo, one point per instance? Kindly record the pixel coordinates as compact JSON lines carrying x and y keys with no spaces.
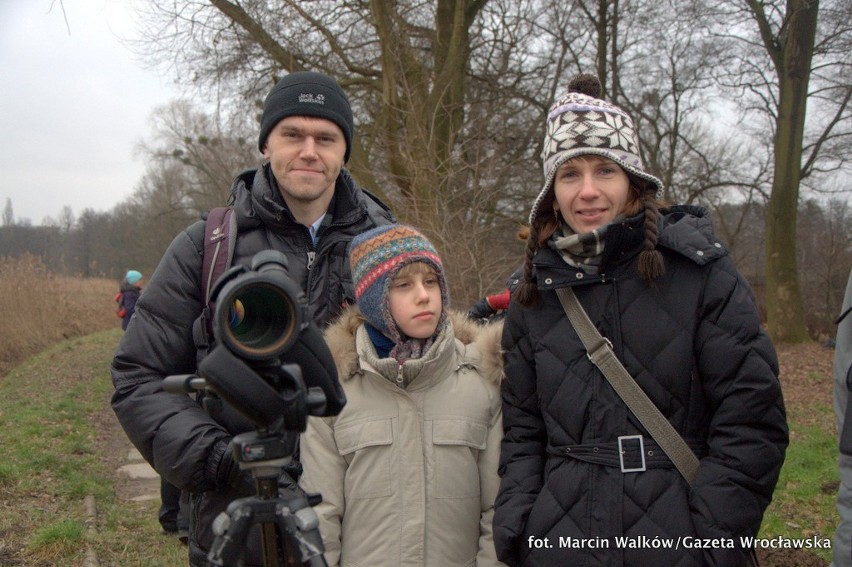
{"x":791,"y":51}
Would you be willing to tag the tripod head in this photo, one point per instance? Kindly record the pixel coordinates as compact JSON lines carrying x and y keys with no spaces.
{"x":279,"y":403}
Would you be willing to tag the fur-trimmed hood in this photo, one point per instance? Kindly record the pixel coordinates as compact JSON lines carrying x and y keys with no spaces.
{"x":485,"y":339}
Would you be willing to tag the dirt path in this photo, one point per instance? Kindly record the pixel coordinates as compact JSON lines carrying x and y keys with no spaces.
{"x":134,"y":479}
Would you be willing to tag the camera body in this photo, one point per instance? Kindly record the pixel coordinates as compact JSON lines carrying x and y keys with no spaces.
{"x":270,"y":361}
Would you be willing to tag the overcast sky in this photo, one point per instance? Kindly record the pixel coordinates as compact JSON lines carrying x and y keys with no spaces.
{"x":74,"y":102}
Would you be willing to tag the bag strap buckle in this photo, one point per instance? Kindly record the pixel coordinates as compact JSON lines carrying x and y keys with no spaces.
{"x":621,"y":441}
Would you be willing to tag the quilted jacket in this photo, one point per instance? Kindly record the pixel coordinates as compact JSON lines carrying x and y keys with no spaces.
{"x":694,"y":344}
{"x":181,"y":441}
{"x":841,"y":547}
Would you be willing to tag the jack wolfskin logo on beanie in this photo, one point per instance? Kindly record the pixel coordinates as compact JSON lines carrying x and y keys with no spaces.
{"x":308,"y":97}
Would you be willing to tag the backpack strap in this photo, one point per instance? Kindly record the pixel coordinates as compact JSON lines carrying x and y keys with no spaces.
{"x":220,"y":237}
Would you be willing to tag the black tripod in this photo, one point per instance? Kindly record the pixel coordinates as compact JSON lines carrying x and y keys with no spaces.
{"x":289,"y":527}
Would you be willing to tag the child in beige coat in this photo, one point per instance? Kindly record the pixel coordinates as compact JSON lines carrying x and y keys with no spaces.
{"x":408,"y":470}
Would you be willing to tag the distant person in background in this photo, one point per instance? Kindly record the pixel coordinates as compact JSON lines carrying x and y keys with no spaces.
{"x":130,"y":291}
{"x":842,"y":548}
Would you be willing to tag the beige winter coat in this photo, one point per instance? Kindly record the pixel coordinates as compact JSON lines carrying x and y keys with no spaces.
{"x":409,"y":476}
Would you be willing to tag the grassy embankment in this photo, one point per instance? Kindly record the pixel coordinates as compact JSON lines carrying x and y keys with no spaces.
{"x":58,"y":335}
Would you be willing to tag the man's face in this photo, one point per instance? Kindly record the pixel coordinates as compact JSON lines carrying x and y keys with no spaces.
{"x":306,"y":155}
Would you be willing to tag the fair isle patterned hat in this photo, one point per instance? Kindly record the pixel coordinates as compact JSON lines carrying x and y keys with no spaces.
{"x":376,"y":256}
{"x":580,"y":123}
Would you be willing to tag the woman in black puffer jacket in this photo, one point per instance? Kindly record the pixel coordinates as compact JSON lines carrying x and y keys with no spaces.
{"x":657,"y":283}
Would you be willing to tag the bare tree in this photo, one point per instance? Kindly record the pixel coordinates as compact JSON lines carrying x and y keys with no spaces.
{"x":440,"y":92}
{"x":450,"y":96}
{"x":8,"y":213}
{"x":194,"y":159}
{"x":790,"y":61}
{"x":824,"y":255}
{"x":791,"y":51}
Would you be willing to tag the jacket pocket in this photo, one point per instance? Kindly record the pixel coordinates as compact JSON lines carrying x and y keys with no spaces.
{"x":367,"y":447}
{"x":457,"y":443}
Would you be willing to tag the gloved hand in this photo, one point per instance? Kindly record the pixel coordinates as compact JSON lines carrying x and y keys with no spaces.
{"x":228,"y":473}
{"x":500,"y":301}
{"x":481,"y":311}
{"x":484,"y":310}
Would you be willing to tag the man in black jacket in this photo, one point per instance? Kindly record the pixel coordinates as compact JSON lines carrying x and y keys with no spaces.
{"x":303,"y":203}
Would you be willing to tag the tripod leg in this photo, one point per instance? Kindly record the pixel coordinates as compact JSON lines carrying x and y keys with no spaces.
{"x":269,"y":543}
{"x":302,"y":531}
{"x":231,"y":530}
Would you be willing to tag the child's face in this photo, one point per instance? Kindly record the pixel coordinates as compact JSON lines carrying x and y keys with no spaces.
{"x":415,"y":301}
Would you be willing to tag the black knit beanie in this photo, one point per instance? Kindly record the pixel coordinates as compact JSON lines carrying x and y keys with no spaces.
{"x":307,"y":93}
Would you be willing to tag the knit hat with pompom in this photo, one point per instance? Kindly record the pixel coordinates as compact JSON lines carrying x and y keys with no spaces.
{"x":581,"y":123}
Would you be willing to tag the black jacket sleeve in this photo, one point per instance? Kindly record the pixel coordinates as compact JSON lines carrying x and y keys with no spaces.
{"x":522,"y":456}
{"x":748,"y":433}
{"x":171,"y":431}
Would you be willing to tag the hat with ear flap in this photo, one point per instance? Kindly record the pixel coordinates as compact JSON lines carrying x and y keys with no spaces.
{"x":581,"y":123}
{"x":376,"y":256}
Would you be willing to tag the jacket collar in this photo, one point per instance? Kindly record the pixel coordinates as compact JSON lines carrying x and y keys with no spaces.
{"x":413,"y":374}
{"x":622,"y":241}
{"x":257,"y":200}
{"x":684,"y":229}
{"x":471,"y":343}
{"x":688,"y":230}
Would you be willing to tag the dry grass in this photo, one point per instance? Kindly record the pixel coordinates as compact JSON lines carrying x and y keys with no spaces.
{"x":41,"y":308}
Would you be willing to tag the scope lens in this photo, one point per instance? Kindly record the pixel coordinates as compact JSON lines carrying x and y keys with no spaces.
{"x":236,"y":314}
{"x":260,"y":320}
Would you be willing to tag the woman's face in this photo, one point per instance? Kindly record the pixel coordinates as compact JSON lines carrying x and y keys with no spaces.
{"x":590,"y":192}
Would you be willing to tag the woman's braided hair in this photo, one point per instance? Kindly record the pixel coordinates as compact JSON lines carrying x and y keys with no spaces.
{"x":650,"y":264}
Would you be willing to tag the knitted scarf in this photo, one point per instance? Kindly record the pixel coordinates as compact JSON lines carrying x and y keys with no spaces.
{"x":407,"y":348}
{"x":411,"y":349}
{"x":582,"y":251}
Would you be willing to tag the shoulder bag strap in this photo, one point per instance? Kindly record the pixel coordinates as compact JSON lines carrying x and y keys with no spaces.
{"x":601,"y":354}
